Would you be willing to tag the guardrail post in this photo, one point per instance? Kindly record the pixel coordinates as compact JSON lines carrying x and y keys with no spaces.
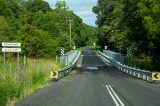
{"x":139,"y":75}
{"x":127,"y":71}
{"x":144,"y":77}
{"x":130,"y":72}
{"x":149,"y":79}
{"x":134,"y":74}
{"x":124,"y":70}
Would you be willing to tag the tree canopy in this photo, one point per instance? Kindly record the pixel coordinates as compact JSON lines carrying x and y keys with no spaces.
{"x":133,"y":24}
{"x":43,"y":31}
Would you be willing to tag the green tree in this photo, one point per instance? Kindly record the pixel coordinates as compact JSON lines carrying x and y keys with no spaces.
{"x":130,"y":24}
{"x":36,"y":42}
{"x":37,"y":5}
{"x":6,"y":30}
{"x":61,"y":5}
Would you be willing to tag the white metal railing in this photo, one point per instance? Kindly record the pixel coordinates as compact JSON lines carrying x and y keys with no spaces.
{"x":143,"y":74}
{"x":73,"y":58}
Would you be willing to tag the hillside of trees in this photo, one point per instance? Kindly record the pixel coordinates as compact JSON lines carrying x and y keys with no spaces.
{"x":130,"y":24}
{"x":43,"y":31}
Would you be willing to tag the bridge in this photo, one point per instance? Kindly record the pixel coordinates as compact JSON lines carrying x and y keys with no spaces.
{"x":96,"y":82}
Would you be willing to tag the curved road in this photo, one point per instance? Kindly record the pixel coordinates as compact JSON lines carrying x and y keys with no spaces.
{"x":96,"y":84}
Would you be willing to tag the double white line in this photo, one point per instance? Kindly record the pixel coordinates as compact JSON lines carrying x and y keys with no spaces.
{"x":114,"y":96}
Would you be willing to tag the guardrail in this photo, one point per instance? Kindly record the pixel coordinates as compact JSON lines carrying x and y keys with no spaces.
{"x":141,"y":74}
{"x":68,"y":57}
{"x":66,"y":70}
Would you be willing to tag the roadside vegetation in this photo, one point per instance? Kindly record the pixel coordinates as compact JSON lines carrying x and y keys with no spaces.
{"x":42,"y":32}
{"x":16,"y":84}
{"x":131,"y":25}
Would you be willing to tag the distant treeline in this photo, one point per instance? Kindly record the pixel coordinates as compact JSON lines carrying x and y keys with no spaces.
{"x":43,"y":31}
{"x":130,"y":25}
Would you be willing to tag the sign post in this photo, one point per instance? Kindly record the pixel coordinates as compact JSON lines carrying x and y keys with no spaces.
{"x":4,"y":58}
{"x":11,"y":50}
{"x":18,"y":61}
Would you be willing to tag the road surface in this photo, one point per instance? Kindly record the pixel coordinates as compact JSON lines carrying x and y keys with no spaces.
{"x":96,"y":84}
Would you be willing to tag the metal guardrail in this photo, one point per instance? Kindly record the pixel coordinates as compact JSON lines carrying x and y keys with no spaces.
{"x":142,"y":74}
{"x":66,"y":70}
{"x":68,"y":57}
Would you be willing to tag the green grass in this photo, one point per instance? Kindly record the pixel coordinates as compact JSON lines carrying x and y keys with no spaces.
{"x":143,"y":63}
{"x":15,"y":85}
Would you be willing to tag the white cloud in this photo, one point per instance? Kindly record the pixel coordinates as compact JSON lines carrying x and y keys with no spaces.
{"x":82,"y":8}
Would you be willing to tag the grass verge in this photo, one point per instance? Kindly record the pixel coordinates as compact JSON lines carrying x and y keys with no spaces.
{"x":15,"y":85}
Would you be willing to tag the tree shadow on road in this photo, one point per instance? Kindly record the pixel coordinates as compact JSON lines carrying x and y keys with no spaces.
{"x":103,"y":69}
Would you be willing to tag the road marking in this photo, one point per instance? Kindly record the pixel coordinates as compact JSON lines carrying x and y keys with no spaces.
{"x":114,"y":99}
{"x":114,"y":96}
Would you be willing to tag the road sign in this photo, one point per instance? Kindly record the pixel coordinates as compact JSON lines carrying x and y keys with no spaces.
{"x":62,"y":52}
{"x":155,"y":75}
{"x":105,"y":47}
{"x":129,"y":51}
{"x":11,"y":50}
{"x":54,"y":74}
{"x":6,"y":44}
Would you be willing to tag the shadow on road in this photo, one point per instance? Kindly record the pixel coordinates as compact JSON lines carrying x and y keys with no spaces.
{"x":103,"y":69}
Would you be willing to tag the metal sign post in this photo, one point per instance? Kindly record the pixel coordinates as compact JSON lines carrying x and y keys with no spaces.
{"x":11,"y":50}
{"x":18,"y":61}
{"x":4,"y":58}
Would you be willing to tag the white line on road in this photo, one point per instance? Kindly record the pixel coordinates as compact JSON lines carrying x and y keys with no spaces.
{"x":114,"y":96}
{"x":114,"y":99}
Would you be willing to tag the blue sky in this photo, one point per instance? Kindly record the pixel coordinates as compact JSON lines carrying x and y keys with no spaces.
{"x":82,"y":8}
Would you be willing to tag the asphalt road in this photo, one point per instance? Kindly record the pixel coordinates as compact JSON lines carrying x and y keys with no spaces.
{"x":96,"y":84}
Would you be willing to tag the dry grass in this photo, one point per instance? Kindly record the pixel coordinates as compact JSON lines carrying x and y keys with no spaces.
{"x":15,"y":84}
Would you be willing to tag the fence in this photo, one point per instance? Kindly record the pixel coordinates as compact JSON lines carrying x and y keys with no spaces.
{"x":68,"y":57}
{"x":115,"y":56}
{"x":72,"y":58}
{"x":142,"y":74}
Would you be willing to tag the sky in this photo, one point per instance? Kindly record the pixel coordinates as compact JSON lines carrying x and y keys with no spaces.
{"x":83,"y":8}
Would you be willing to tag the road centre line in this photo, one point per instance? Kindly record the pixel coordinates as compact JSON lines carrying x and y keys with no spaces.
{"x":114,"y":96}
{"x":114,"y":99}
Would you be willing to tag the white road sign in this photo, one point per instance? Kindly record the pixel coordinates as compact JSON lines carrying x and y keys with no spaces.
{"x":10,"y":44}
{"x":11,"y":49}
{"x":105,"y":47}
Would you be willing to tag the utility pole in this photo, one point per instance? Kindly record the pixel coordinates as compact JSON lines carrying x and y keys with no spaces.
{"x":70,"y":30}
